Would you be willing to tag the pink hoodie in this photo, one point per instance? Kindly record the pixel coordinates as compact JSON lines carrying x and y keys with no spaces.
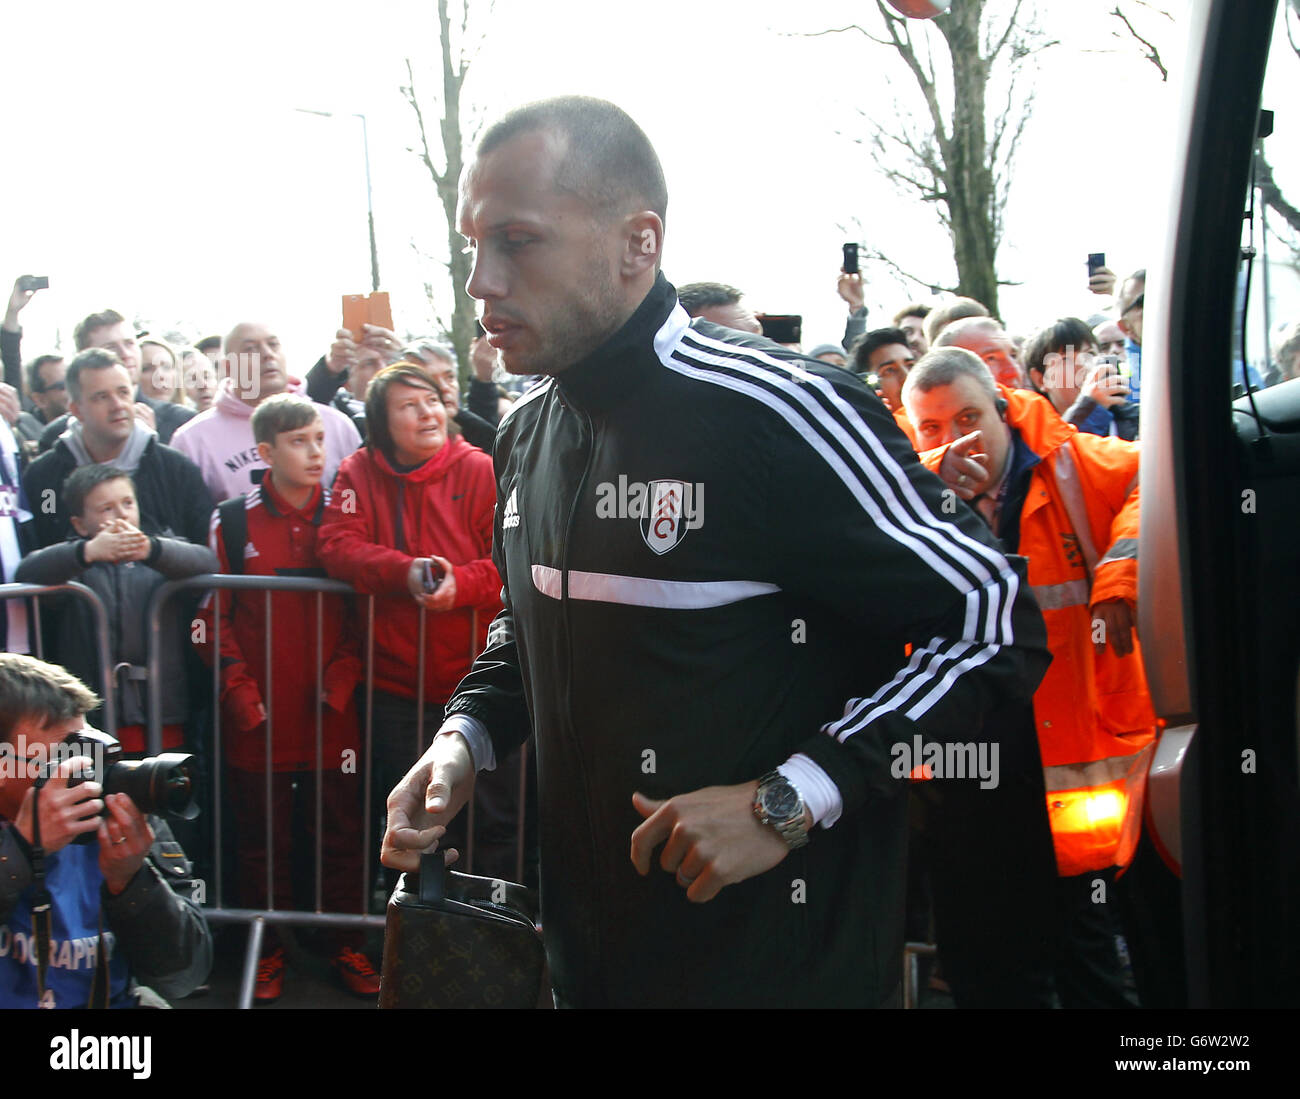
{"x":220,"y":441}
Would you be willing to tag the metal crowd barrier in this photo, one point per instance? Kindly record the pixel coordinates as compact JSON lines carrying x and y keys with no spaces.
{"x":218,"y":912}
{"x":911,"y":974}
{"x":34,"y":592}
{"x":258,"y":919}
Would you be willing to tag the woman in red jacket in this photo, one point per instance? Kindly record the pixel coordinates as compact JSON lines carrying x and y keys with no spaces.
{"x":414,"y":501}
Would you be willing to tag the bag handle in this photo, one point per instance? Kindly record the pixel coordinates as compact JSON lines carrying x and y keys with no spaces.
{"x":433,"y":878}
{"x":436,"y":887}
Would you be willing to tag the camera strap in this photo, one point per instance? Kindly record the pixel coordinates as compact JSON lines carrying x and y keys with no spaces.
{"x":41,"y":900}
{"x":99,"y":982}
{"x":42,"y":917}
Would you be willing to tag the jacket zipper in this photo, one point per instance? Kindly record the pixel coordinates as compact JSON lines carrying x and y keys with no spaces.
{"x":568,"y":672}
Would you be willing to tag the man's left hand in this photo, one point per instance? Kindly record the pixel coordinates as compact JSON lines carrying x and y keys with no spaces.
{"x":124,"y":839}
{"x":1116,"y":617}
{"x":713,"y":838}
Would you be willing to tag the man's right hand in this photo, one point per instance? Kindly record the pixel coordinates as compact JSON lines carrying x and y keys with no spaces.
{"x":430,"y":795}
{"x":342,"y":353}
{"x":65,"y":813}
{"x":1105,"y":386}
{"x":964,"y":468}
{"x":384,"y":340}
{"x":17,"y":301}
{"x":1102,"y":281}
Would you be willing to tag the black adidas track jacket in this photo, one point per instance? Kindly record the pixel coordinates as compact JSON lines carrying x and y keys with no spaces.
{"x":713,"y":558}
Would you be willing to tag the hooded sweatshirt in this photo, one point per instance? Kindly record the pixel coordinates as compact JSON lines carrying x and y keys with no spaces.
{"x":379,"y":520}
{"x":220,"y":441}
{"x":174,"y":501}
{"x":128,"y":461}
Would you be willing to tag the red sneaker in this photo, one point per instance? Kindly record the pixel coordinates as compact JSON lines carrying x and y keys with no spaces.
{"x":270,"y":977}
{"x":356,"y":972}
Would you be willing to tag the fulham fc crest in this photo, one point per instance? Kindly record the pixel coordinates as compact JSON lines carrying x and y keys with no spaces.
{"x":663,"y":518}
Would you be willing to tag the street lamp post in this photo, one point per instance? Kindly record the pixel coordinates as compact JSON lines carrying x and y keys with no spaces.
{"x":370,"y":206}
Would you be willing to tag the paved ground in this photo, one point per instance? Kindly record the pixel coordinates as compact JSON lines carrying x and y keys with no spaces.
{"x":309,"y":982}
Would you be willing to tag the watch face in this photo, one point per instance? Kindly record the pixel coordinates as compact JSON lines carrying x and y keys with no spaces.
{"x":780,"y":800}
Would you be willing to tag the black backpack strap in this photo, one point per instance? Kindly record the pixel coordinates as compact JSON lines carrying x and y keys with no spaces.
{"x":234,"y":532}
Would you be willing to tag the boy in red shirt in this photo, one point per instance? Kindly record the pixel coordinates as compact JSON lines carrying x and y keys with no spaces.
{"x":277,"y":537}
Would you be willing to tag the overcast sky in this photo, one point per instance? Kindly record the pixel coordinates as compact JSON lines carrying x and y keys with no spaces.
{"x":157,"y":162}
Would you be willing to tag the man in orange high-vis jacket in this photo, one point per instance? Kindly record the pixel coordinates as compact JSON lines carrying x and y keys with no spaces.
{"x":1069,"y":504}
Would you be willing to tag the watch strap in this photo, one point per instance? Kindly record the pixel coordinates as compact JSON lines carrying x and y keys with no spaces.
{"x":791,"y":828}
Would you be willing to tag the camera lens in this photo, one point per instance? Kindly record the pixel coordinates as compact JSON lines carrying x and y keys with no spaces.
{"x":163,"y":785}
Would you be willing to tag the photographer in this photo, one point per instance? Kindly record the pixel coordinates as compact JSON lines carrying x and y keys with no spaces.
{"x":113,"y":890}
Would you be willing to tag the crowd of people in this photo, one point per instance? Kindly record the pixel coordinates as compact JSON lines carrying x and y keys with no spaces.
{"x":953,"y":566}
{"x":117,"y":479}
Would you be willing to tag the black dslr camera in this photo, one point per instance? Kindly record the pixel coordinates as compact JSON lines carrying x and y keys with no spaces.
{"x":162,"y":785}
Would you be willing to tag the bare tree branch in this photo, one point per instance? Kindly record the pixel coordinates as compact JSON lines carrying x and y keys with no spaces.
{"x":919,"y":151}
{"x":423,"y":152}
{"x":1006,"y":34}
{"x":955,"y":164}
{"x":1159,"y":11}
{"x":1152,"y":54}
{"x":880,"y":257}
{"x":466,"y":60}
{"x":1291,"y":244}
{"x":1002,"y":178}
{"x":1003,"y":119}
{"x":904,"y":47}
{"x":454,"y":69}
{"x":926,"y":192}
{"x":836,"y":30}
{"x":1008,"y":161}
{"x":1272,"y":194}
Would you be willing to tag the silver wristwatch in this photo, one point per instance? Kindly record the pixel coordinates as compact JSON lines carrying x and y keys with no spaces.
{"x":778,"y":803}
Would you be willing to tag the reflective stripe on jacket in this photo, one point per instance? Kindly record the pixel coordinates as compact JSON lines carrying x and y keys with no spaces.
{"x":1079,"y":531}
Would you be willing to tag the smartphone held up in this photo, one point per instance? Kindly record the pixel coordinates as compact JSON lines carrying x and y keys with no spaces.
{"x":362,"y":309}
